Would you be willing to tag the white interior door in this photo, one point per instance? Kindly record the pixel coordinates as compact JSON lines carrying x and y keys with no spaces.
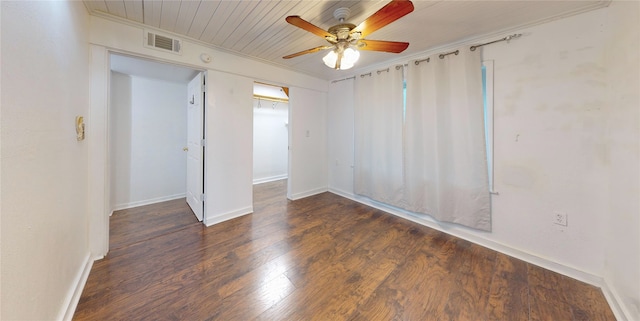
{"x":195,"y":151}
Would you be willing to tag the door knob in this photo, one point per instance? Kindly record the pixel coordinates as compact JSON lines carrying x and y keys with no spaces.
{"x":186,"y":149}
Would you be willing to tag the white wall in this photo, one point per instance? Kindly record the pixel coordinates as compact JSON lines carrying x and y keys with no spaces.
{"x":270,"y":140}
{"x":558,"y":146}
{"x":228,"y":149}
{"x":549,"y":110}
{"x":149,"y":130}
{"x":340,"y":120}
{"x":45,"y":85}
{"x":308,"y":143}
{"x":622,"y":252}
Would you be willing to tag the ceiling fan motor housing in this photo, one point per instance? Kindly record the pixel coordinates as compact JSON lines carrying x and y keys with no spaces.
{"x":342,"y":30}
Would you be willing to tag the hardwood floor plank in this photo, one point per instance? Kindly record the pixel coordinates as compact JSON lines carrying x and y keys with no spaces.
{"x":148,"y":262}
{"x":390,"y":301}
{"x":283,"y":263}
{"x":318,"y":278}
{"x":472,"y":282}
{"x":367,"y":265}
{"x":128,"y":227}
{"x":246,"y":305}
{"x":356,"y":289}
{"x":323,"y":257}
{"x":547,"y":301}
{"x":509,"y":292}
{"x":585,"y":301}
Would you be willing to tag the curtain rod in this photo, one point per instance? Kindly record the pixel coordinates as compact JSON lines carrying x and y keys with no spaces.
{"x":507,"y":39}
{"x":472,"y":48}
{"x":278,"y":100}
{"x":381,"y":71}
{"x":442,"y":55}
{"x":343,"y":79}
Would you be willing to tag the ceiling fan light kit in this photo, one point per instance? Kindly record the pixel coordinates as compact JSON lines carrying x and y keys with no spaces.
{"x":346,"y":38}
{"x":349,"y":58}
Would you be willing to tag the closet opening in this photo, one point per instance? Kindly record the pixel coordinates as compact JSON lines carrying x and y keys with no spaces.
{"x":270,"y":135}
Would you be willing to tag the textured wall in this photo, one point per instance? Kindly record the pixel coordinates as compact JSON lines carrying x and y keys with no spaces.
{"x":45,"y":85}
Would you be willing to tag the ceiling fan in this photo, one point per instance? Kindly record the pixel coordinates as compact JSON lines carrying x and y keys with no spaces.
{"x":344,"y":37}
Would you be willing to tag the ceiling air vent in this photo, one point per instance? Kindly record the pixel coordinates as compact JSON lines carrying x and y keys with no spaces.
{"x":163,"y":43}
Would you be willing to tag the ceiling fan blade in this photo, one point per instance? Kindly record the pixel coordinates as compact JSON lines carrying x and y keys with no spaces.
{"x":380,"y":45}
{"x":393,"y":11}
{"x":304,"y":52}
{"x":308,"y":26}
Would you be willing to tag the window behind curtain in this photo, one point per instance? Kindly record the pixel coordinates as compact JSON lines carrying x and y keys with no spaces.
{"x":487,"y":95}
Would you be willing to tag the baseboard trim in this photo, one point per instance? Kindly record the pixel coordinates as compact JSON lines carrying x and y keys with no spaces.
{"x":125,"y":206}
{"x":73,"y":296}
{"x":620,"y":310}
{"x":458,"y":231}
{"x":308,"y":193}
{"x":269,"y":179}
{"x":209,"y":221}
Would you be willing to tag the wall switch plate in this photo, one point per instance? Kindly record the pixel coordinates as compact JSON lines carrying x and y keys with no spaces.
{"x":560,"y":218}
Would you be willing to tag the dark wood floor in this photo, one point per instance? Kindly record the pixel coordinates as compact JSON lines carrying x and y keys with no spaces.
{"x":320,"y":258}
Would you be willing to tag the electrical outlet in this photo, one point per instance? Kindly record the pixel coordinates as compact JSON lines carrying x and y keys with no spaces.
{"x":560,"y":218}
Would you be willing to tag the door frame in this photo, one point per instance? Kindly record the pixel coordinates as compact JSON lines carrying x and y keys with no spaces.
{"x":99,"y":206}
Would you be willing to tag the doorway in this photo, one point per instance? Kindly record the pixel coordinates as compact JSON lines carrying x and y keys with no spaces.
{"x":148,"y":129}
{"x":270,"y":133}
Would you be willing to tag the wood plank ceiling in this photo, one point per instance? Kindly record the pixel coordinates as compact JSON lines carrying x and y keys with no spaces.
{"x":257,"y":29}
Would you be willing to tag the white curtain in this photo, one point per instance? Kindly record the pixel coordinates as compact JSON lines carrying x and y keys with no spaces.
{"x":446,"y":173}
{"x":378,"y":136}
